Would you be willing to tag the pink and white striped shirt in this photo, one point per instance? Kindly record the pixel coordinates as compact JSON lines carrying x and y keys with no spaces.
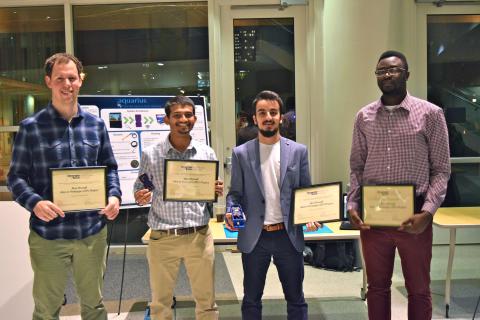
{"x":406,"y":146}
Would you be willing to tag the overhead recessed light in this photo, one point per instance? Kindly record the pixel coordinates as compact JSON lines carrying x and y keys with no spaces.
{"x":160,"y":64}
{"x":474,"y":100}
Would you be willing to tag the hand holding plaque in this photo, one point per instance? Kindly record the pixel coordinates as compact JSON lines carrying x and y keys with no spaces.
{"x":387,"y":205}
{"x":190,"y":180}
{"x":322,"y":203}
{"x":79,"y":188}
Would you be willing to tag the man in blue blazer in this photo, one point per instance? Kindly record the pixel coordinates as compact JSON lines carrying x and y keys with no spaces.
{"x":264,"y":173}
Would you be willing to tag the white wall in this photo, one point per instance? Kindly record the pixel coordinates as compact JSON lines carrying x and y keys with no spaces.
{"x":464,"y":235}
{"x":16,"y":276}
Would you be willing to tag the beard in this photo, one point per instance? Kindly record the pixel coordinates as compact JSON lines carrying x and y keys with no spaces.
{"x":268,"y":133}
{"x":391,"y":90}
{"x":395,"y":87}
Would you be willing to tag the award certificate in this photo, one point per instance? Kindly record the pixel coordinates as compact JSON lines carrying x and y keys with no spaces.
{"x":387,"y":205}
{"x":190,"y":180}
{"x":79,"y":188}
{"x":322,"y":203}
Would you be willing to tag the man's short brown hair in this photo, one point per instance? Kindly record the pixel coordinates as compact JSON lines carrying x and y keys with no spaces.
{"x":62,"y":57}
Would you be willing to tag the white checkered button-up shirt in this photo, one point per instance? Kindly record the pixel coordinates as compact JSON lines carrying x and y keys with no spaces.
{"x":406,"y":146}
{"x":169,"y":214}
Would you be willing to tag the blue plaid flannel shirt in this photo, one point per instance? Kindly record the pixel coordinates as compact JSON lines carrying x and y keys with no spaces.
{"x":46,"y":140}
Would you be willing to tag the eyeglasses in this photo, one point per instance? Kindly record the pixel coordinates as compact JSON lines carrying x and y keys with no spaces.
{"x":391,"y":71}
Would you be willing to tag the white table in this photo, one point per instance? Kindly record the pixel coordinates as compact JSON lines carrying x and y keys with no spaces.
{"x":453,"y":218}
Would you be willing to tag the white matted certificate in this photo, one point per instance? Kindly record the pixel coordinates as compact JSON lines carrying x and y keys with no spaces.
{"x":387,"y":205}
{"x":190,"y":180}
{"x":321,"y":202}
{"x":79,"y":188}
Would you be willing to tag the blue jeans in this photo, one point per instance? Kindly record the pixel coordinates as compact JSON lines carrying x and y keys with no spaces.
{"x":289,"y":263}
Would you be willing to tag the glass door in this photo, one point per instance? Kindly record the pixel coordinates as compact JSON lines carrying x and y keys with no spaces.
{"x":263,"y":49}
{"x":264,"y":59}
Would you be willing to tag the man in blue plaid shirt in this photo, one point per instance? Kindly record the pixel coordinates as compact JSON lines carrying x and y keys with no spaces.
{"x":63,"y":135}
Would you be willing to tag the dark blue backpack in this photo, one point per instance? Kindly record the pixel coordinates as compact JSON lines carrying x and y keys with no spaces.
{"x":333,"y":255}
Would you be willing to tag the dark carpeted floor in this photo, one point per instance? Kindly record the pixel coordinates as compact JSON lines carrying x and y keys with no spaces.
{"x":136,"y":285}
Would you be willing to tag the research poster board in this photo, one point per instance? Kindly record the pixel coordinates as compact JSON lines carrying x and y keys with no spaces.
{"x":135,"y":123}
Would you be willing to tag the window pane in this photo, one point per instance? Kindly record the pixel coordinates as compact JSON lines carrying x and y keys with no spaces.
{"x":150,"y":49}
{"x":28,"y":36}
{"x":264,"y":60}
{"x":463,"y":186}
{"x":453,"y":78}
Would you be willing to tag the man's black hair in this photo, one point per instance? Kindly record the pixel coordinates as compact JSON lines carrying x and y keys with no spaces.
{"x":267,"y":95}
{"x":393,"y":53}
{"x":181,"y":100}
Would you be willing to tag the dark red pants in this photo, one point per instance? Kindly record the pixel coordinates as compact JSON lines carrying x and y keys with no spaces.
{"x":378,"y":246}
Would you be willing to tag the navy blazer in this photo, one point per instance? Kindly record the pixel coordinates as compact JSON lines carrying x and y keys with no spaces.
{"x":247,"y":189}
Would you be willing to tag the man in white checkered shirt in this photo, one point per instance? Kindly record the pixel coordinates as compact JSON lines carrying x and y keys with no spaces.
{"x":179,"y":230}
{"x":399,"y":139}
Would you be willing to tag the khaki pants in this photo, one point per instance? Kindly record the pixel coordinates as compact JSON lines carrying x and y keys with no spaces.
{"x":164,"y":254}
{"x":51,"y":260}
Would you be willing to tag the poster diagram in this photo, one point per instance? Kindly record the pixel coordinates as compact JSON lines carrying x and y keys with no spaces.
{"x":134,"y":119}
{"x":126,"y":147}
{"x":135,"y":123}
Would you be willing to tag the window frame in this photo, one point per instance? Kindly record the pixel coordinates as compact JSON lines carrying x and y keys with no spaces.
{"x":424,"y":10}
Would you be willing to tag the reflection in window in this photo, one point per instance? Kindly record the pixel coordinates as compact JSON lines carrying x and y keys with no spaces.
{"x":463,"y":186}
{"x":148,"y":49}
{"x":454,"y":78}
{"x":28,"y":36}
{"x":264,"y":60}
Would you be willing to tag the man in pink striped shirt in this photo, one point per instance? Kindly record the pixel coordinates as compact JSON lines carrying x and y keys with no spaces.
{"x":399,"y":139}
